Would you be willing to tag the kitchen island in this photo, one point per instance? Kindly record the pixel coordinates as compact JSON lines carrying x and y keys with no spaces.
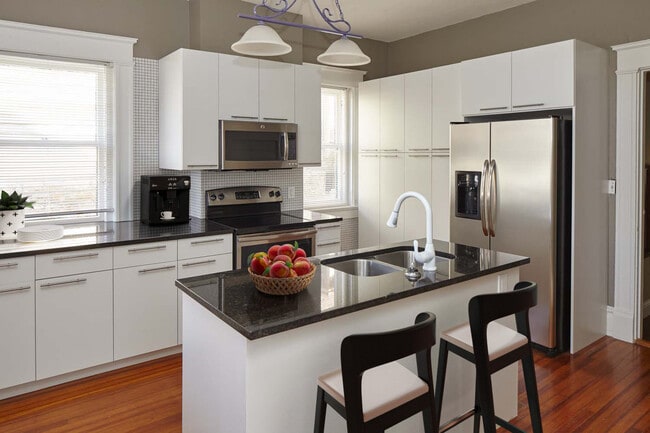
{"x":250,"y":361}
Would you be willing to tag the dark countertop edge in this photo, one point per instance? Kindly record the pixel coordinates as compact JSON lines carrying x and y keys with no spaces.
{"x":308,"y":320}
{"x":108,"y":244}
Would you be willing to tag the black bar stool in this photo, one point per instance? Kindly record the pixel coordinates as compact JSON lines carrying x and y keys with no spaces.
{"x":491,"y":347}
{"x":389,"y":392}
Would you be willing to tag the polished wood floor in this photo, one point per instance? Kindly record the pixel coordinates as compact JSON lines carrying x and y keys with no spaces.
{"x":603,"y":389}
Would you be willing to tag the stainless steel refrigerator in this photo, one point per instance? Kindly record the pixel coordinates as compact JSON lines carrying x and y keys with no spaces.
{"x":511,"y":192}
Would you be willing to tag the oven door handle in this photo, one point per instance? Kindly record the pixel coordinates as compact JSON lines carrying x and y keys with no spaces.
{"x":245,"y":240}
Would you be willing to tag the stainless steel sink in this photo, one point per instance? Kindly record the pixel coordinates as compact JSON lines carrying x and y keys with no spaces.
{"x":402,"y":258}
{"x":363,"y":267}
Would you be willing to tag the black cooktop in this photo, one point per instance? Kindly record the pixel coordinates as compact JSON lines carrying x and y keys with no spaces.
{"x":263,"y":222}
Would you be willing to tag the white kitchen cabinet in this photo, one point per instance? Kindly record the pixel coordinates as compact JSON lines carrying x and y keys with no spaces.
{"x":73,"y":262}
{"x":368,"y":199}
{"x":417,"y":177}
{"x":543,"y":77}
{"x":485,"y":85}
{"x":391,"y":186}
{"x":446,"y":103}
{"x":328,"y":238}
{"x":238,"y":88}
{"x":417,"y":111}
{"x":188,"y":110}
{"x":17,"y":321}
{"x":391,"y":124}
{"x":308,"y":114}
{"x":74,"y":323}
{"x":143,"y":254}
{"x":440,"y":199}
{"x":369,"y":115}
{"x":277,"y":83}
{"x":146,"y":310}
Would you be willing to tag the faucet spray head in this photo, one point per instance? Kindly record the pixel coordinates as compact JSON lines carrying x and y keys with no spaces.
{"x":392,"y":219}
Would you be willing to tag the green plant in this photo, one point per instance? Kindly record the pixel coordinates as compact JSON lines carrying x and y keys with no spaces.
{"x":14,"y":201}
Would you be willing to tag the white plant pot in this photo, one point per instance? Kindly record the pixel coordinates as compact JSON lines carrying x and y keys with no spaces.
{"x":10,"y":222}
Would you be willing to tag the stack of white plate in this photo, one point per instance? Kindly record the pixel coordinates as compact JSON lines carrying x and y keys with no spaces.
{"x":39,"y":233}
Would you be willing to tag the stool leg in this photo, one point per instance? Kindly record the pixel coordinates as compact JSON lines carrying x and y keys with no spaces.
{"x":477,"y":410}
{"x":528,"y":366}
{"x":321,"y":410}
{"x":486,"y":402}
{"x":440,"y":378}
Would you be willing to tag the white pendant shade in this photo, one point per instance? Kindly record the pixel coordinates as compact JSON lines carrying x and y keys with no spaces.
{"x":261,"y":40}
{"x":344,"y":52}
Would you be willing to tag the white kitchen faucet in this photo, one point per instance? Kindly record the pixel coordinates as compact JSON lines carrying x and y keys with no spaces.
{"x":427,"y":257}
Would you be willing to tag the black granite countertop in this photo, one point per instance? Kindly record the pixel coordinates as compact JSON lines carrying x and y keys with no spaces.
{"x":232,"y":297}
{"x":108,"y":234}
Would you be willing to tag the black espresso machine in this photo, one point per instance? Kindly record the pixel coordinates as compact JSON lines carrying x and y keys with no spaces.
{"x":164,"y":199}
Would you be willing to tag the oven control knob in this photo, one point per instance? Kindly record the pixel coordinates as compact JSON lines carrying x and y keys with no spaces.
{"x":213,"y":197}
{"x":271,"y":194}
{"x":221,"y":196}
{"x":277,"y":193}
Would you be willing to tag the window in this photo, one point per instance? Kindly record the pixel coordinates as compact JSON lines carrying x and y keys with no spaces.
{"x":56,"y":128}
{"x":328,"y":185}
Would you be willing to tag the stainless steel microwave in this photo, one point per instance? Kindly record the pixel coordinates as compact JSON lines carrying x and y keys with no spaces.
{"x":257,"y":145}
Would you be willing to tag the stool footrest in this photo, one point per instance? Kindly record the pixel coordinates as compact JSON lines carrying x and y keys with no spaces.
{"x":455,"y":421}
{"x":506,"y":425}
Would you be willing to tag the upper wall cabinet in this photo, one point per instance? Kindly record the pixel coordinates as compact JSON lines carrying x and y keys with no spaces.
{"x":538,"y":78}
{"x":308,"y":117}
{"x":391,"y":113}
{"x":417,"y":111}
{"x":189,"y":116}
{"x":485,"y":84}
{"x":542,"y":77}
{"x":446,"y":104}
{"x":239,"y":85}
{"x":276,"y":91}
{"x":369,"y":115}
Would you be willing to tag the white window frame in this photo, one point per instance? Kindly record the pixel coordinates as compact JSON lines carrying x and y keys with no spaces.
{"x":33,"y":39}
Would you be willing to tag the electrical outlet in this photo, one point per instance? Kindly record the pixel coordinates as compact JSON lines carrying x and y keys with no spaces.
{"x":291,"y":192}
{"x":611,"y":186}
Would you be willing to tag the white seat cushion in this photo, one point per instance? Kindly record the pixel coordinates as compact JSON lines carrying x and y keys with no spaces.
{"x":501,"y":339}
{"x":383,"y":388}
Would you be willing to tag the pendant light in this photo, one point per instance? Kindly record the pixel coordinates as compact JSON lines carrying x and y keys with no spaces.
{"x":262,"y":40}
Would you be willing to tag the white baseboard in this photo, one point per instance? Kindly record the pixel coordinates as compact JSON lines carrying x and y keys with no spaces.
{"x":75,"y":375}
{"x":620,"y":324}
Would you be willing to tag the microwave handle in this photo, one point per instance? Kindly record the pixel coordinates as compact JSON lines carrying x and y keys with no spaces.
{"x":285,"y":138}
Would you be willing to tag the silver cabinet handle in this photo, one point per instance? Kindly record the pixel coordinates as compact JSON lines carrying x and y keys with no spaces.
{"x":369,"y":156}
{"x":204,"y":262}
{"x":423,"y":148}
{"x":483,"y":202}
{"x":539,"y":104}
{"x":244,"y":117}
{"x":328,"y":243}
{"x":17,"y":289}
{"x":390,"y":150}
{"x":79,"y":256}
{"x":492,"y":197}
{"x":493,"y":108}
{"x":275,"y":118}
{"x":209,"y":241}
{"x":440,"y":155}
{"x":419,"y":156}
{"x":8,"y":265}
{"x":369,"y":150}
{"x":64,"y":283}
{"x":162,"y":268}
{"x":390,"y":156}
{"x":199,"y":166}
{"x":139,"y":250}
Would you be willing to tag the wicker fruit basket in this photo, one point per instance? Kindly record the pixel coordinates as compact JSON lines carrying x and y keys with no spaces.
{"x":282,"y":286}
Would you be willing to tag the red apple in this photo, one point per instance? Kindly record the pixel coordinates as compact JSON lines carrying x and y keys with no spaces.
{"x":273,"y":251}
{"x":287,"y":250}
{"x":299,"y":253}
{"x":259,"y":264}
{"x":282,"y":258}
{"x":279,"y":270}
{"x":302,"y":267}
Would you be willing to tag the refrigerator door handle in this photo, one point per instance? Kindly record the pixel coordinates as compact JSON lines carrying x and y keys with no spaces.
{"x":492,"y":197}
{"x":482,"y":201}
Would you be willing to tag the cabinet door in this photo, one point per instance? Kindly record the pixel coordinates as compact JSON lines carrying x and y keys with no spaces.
{"x":542,"y":77}
{"x":146,"y":311}
{"x":485,"y":85}
{"x":369,"y":115}
{"x":417,"y":111}
{"x":417,"y":177}
{"x":74,"y":323}
{"x":308,"y":115}
{"x":391,"y":186}
{"x":17,"y":331}
{"x":446,"y":103}
{"x":440,"y":196}
{"x":368,"y":199}
{"x":238,"y":88}
{"x":392,"y":114}
{"x":328,"y":238}
{"x":277,"y":84}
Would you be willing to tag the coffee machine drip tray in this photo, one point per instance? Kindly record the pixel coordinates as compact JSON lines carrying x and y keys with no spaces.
{"x":165,"y":199}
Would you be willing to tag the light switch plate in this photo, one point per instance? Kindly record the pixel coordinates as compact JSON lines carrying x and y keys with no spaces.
{"x":611,"y":186}
{"x":291,"y":192}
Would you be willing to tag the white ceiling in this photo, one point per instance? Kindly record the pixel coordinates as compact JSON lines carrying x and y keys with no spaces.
{"x":391,"y":20}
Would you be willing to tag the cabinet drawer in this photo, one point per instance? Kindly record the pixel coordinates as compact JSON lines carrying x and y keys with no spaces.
{"x":17,"y":333}
{"x":16,"y":270}
{"x":144,"y":254}
{"x":204,"y":246}
{"x":73,"y":262}
{"x":204,"y":265}
{"x":328,"y":232}
{"x":327,"y":248}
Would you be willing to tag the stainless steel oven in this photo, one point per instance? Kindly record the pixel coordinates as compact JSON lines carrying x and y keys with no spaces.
{"x":257,"y":145}
{"x":247,"y":244}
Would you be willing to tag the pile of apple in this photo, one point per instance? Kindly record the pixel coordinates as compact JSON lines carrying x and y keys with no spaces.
{"x":280,"y":261}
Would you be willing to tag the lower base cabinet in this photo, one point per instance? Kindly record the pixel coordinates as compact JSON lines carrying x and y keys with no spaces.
{"x":74,"y":323}
{"x":146,"y":309}
{"x":17,"y":330}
